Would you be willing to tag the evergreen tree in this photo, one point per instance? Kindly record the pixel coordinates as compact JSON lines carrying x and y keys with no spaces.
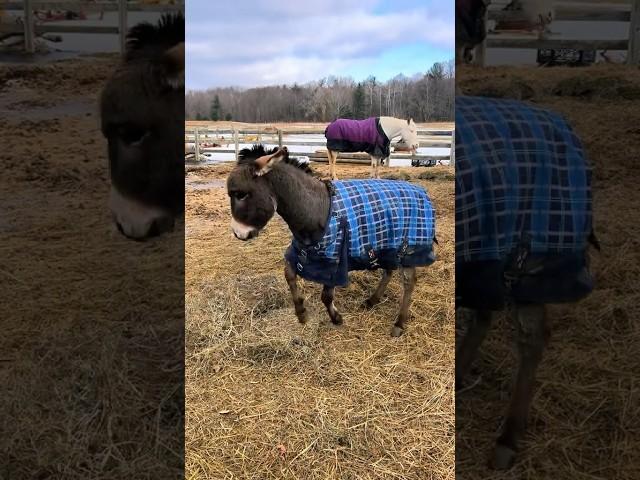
{"x":359,"y":108}
{"x":215,"y":109}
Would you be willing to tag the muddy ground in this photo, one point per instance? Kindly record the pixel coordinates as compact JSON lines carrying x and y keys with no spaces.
{"x":269,"y":398}
{"x":90,"y":345}
{"x":586,"y":411}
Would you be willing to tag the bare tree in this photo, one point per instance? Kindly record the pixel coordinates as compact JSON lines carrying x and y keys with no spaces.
{"x":425,"y":97}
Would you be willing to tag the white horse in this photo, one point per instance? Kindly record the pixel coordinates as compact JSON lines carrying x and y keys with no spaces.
{"x":392,"y":127}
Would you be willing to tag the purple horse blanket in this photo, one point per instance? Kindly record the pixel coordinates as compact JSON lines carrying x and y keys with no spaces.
{"x":346,"y":135}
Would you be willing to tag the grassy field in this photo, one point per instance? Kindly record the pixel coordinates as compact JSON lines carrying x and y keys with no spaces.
{"x":268,"y":398}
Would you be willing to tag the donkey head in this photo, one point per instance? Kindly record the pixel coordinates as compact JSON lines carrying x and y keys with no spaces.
{"x":142,"y":113}
{"x":410,"y":135}
{"x":252,"y":201}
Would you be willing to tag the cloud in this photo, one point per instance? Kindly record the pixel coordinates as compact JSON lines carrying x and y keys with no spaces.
{"x":268,"y":41}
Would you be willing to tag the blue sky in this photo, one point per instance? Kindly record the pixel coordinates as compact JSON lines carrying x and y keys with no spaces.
{"x":251,"y":43}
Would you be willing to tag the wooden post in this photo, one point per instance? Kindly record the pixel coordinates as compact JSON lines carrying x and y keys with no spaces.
{"x":122,"y":25}
{"x":633,"y":54}
{"x":481,"y":50}
{"x":29,"y":30}
{"x":196,"y":143}
{"x":236,"y":141}
{"x":279,"y":137}
{"x":452,"y":155}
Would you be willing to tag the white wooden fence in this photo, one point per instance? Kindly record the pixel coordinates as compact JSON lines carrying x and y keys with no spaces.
{"x":29,"y":29}
{"x":627,"y":11}
{"x":231,"y":138}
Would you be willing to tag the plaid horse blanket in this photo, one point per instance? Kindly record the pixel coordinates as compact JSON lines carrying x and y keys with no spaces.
{"x":523,"y":203}
{"x":372,"y":224}
{"x":346,"y":135}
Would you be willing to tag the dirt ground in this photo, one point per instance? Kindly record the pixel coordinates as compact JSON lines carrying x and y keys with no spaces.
{"x":90,"y":345}
{"x":586,"y":412}
{"x":268,"y":398}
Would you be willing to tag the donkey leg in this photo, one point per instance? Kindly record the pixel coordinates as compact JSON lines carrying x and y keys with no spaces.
{"x":382,"y":286}
{"x":408,"y":284}
{"x":298,"y":301}
{"x":477,"y":326}
{"x":327,"y":298}
{"x":532,"y":337}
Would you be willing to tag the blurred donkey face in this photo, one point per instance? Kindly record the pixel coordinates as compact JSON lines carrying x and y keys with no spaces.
{"x":142,"y":112}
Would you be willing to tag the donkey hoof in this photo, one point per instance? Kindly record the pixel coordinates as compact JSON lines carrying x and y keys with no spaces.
{"x":337,"y":319}
{"x":369,"y":303}
{"x":302,"y":316}
{"x":503,"y":457}
{"x":397,"y":331}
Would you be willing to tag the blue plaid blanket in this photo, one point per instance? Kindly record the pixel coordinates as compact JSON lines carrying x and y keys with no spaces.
{"x":522,"y":184}
{"x":372,"y":224}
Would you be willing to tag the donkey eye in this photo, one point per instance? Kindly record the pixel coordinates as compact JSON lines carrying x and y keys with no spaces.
{"x":240,"y":195}
{"x":132,"y":135}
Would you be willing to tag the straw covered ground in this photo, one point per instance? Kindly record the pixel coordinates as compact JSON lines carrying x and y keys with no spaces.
{"x":268,"y":398}
{"x":91,"y":342}
{"x":586,"y":412}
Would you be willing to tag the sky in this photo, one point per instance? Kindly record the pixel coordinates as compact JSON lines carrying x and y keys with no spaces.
{"x":249,"y":43}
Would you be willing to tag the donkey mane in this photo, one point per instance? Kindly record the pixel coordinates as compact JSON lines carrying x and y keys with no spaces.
{"x":246,"y":156}
{"x":146,"y":39}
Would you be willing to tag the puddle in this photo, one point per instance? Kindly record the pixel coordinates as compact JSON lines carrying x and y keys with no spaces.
{"x":40,"y":110}
{"x":208,"y":185}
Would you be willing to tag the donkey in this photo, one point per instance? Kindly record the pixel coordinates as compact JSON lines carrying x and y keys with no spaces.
{"x":142,"y":117}
{"x":523,"y":228}
{"x":337,"y":226}
{"x":372,"y":135}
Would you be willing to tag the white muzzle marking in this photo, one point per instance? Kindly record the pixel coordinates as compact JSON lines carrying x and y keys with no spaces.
{"x":134,"y":218}
{"x":241,"y":230}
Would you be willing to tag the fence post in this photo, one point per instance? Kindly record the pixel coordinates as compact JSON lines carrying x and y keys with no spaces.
{"x":279,"y":137}
{"x":452,"y":155}
{"x":481,"y":50}
{"x":122,"y":24}
{"x":235,"y":140}
{"x":29,"y":28}
{"x":633,"y":54}
{"x":196,"y":143}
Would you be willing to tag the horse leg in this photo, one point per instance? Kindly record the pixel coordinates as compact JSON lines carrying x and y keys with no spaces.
{"x":477,"y":326}
{"x":327,"y":299}
{"x":374,"y":167}
{"x":408,"y":284}
{"x":333,"y":159}
{"x":382,"y":286}
{"x":298,"y":301}
{"x":532,"y":336}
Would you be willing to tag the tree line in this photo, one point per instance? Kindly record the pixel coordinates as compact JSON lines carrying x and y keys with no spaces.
{"x":425,"y":97}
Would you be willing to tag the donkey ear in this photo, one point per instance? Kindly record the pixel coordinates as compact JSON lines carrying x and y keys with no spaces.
{"x":173,"y":60}
{"x":266,"y":163}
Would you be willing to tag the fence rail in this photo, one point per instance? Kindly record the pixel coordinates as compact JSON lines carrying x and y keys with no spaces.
{"x":428,"y":138}
{"x":29,"y":29}
{"x":582,"y":11}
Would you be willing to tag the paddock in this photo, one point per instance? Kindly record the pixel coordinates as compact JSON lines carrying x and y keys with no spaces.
{"x":307,"y":140}
{"x":269,"y":398}
{"x":593,"y":16}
